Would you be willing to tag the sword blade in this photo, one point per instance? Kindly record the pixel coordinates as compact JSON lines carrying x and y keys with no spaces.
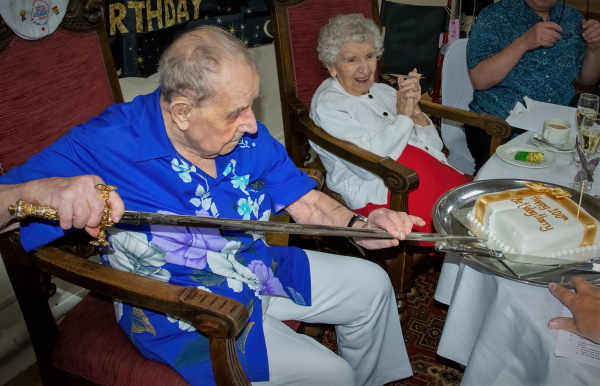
{"x":147,"y":218}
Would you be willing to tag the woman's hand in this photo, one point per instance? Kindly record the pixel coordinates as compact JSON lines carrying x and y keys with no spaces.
{"x":409,"y":94}
{"x":404,"y":105}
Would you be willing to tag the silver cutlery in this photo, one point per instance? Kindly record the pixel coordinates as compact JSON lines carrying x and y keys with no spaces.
{"x":562,"y":147}
{"x":587,"y":265}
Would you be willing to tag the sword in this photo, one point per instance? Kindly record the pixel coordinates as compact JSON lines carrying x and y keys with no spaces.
{"x":23,"y":209}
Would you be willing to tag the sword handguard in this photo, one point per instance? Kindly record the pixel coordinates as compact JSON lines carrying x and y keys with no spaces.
{"x":24,"y":209}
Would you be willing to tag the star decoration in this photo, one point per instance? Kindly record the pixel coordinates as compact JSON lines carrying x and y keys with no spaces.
{"x":242,"y":27}
{"x":140,"y":60}
{"x":249,"y":11}
{"x":246,"y":42}
{"x":231,"y":29}
{"x":205,"y":17}
{"x":219,"y":20}
{"x":229,"y":9}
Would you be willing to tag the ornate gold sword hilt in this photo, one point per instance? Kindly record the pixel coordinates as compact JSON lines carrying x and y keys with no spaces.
{"x":24,"y":209}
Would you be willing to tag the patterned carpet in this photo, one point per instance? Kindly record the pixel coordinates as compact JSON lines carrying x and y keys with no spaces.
{"x":426,"y":322}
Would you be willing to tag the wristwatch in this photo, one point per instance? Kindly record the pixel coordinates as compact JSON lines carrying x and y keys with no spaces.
{"x":355,"y":218}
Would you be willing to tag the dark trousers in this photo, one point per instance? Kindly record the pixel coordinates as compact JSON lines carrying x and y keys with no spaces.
{"x":479,"y":142}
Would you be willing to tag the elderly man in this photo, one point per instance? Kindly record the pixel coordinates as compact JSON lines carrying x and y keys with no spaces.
{"x":194,"y":147}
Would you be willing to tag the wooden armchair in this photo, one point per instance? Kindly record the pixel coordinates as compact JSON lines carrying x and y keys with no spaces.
{"x":296,"y":25}
{"x":48,"y":86}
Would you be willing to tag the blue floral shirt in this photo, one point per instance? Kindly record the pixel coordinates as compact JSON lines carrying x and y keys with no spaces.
{"x":127,"y":146}
{"x":543,"y":74}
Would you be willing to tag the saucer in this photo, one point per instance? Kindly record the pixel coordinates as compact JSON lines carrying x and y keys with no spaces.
{"x":570,"y":145}
{"x":507,"y":153}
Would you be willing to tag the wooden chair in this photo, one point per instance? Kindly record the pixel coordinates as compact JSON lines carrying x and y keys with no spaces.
{"x":48,"y":86}
{"x":296,"y":25}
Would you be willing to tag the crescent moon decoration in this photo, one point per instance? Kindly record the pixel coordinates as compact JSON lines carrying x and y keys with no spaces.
{"x":266,"y":29}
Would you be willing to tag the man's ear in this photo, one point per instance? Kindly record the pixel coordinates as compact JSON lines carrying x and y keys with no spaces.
{"x":181,"y":108}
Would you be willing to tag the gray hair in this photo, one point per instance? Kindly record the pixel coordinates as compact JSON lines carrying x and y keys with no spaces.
{"x":347,"y":28}
{"x":191,"y":63}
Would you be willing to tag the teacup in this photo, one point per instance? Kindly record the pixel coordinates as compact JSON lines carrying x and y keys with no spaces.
{"x":556,"y":131}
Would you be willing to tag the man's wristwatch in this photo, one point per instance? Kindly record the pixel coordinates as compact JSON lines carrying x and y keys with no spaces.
{"x":355,"y":218}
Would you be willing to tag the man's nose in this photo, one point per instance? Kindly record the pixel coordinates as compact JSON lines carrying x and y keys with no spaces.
{"x":248,"y":124}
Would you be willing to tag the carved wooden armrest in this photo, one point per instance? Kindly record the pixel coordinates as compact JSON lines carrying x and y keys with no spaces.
{"x":317,"y":176}
{"x":219,"y":317}
{"x":397,"y":177}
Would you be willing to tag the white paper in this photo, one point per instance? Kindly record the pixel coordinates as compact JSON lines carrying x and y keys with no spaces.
{"x":569,"y":345}
{"x":532,"y":116}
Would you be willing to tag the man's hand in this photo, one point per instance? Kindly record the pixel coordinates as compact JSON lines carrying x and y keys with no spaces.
{"x":398,"y":224}
{"x":591,"y":34}
{"x":77,"y":200}
{"x":584,"y":303}
{"x":543,"y":34}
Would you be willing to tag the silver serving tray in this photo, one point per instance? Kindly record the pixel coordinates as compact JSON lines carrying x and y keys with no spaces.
{"x":465,"y":196}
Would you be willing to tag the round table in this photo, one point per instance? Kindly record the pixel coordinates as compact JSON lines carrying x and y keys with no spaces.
{"x":498,"y":327}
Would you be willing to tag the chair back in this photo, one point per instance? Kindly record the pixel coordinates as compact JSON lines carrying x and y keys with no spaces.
{"x":296,"y":27}
{"x":457,"y":91}
{"x":54,"y":83}
{"x":304,"y":22}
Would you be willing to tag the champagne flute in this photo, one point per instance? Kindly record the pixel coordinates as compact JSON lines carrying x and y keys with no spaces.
{"x":589,"y":135}
{"x":588,"y":139}
{"x":587,"y":106}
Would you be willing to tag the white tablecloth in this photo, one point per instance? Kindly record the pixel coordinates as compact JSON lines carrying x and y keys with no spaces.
{"x":498,"y":327}
{"x":560,"y":173}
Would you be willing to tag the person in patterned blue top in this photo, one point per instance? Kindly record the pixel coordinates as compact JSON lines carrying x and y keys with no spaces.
{"x":193,"y":147}
{"x":533,"y":48}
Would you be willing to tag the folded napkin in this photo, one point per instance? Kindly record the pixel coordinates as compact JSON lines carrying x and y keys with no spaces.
{"x":33,"y":19}
{"x":530,"y":114}
{"x":580,"y":176}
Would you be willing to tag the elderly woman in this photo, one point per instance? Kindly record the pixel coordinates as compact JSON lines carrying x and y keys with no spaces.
{"x":352,"y":107}
{"x":194,"y":147}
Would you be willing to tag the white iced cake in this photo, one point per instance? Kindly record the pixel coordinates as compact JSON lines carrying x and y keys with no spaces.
{"x":536,"y":220}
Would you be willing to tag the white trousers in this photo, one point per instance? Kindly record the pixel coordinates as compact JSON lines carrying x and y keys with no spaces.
{"x":357,"y":297}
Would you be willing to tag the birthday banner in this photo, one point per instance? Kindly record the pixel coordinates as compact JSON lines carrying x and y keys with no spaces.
{"x":139,"y":31}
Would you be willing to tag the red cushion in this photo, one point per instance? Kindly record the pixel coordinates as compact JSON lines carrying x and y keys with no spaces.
{"x":48,"y":86}
{"x":93,"y":346}
{"x":305,"y":22}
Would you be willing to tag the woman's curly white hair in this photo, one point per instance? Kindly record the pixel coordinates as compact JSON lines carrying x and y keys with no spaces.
{"x":347,"y":28}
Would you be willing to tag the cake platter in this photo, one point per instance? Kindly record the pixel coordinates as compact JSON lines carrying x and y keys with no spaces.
{"x":464,"y":196}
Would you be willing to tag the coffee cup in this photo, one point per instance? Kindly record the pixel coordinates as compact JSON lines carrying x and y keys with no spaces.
{"x":556,"y":131}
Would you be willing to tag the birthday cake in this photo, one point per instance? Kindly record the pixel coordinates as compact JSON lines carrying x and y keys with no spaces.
{"x":536,"y":220}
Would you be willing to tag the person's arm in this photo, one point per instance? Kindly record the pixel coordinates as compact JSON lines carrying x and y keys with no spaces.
{"x":590,"y":70}
{"x":77,"y":200}
{"x":318,"y":208}
{"x":584,"y":304}
{"x":332,"y":113}
{"x":491,"y":71}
